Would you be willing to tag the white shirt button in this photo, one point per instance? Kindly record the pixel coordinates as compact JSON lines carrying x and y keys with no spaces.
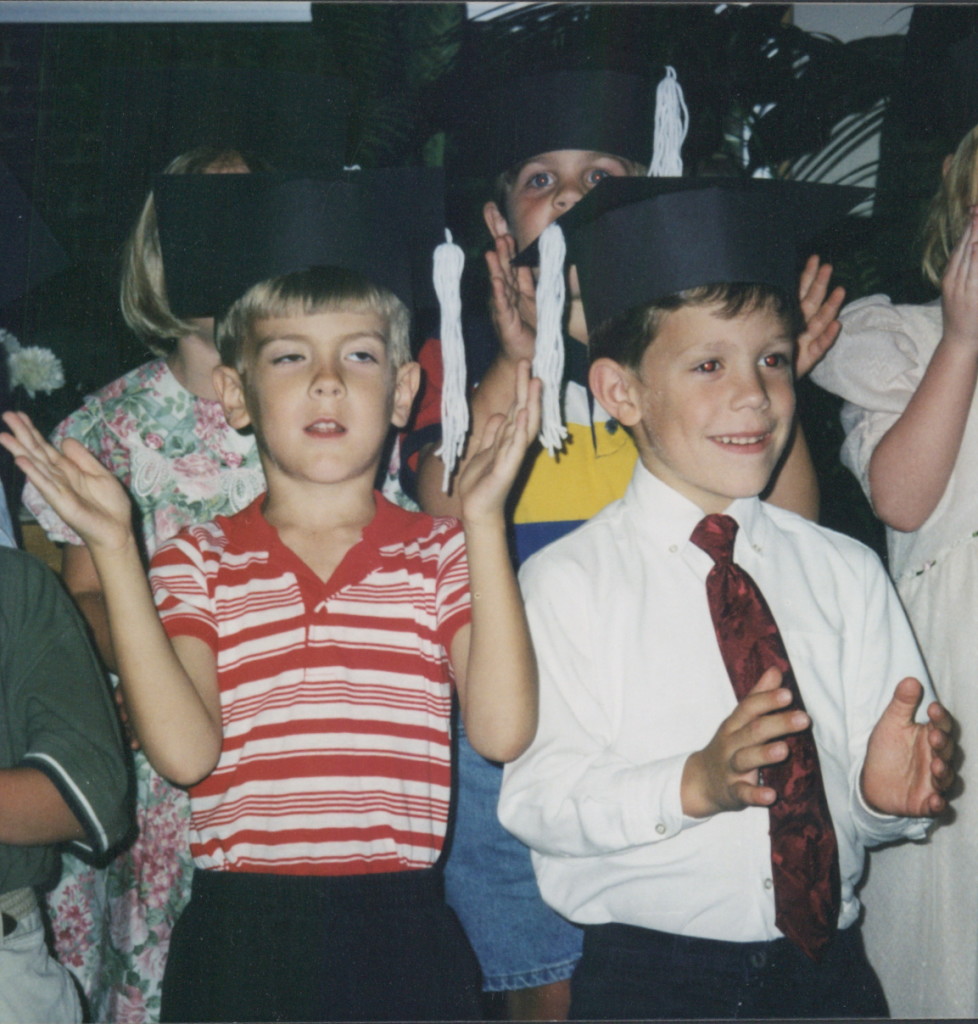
{"x":660,"y":829}
{"x":673,"y":548}
{"x":768,"y":883}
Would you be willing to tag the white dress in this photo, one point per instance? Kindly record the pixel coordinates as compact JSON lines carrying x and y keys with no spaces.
{"x":921,"y":899}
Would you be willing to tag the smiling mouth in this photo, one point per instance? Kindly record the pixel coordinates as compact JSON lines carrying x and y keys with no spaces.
{"x":742,"y":440}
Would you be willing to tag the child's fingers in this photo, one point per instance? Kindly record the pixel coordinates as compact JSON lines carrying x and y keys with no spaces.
{"x":758,"y":755}
{"x":749,"y":795}
{"x":808,"y":275}
{"x":961,"y":255}
{"x":493,"y":427}
{"x":25,"y":439}
{"x":813,"y":284}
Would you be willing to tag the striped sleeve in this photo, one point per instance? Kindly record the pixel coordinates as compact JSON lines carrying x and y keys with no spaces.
{"x":180,"y":575}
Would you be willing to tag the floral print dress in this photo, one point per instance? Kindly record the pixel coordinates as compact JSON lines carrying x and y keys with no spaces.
{"x":182,"y":464}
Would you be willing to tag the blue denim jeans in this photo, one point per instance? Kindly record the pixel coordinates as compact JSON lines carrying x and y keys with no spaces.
{"x":489,"y":883}
{"x":629,"y":972}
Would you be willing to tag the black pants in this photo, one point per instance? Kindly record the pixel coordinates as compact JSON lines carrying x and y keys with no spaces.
{"x":255,"y":947}
{"x":636,"y":973}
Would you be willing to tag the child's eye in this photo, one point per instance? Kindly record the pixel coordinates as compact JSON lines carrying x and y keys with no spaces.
{"x":362,"y":356}
{"x":542,"y":179}
{"x":597,"y":174}
{"x":775,"y":360}
{"x":710,"y":366}
{"x":286,"y":357}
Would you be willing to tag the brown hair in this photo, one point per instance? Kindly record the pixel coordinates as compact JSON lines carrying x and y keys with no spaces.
{"x":625,"y":338}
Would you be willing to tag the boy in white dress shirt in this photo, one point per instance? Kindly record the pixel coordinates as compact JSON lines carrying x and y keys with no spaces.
{"x":648,"y":793}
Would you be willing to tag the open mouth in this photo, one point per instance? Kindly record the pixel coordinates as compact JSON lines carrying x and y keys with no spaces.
{"x":325,"y":428}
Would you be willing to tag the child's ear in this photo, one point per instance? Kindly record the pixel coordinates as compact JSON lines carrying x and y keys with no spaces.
{"x":613,"y":385}
{"x":405,"y":388}
{"x":230,"y":393}
{"x":495,"y":221}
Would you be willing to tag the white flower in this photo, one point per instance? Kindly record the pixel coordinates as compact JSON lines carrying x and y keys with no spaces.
{"x":9,"y":342}
{"x":35,"y":369}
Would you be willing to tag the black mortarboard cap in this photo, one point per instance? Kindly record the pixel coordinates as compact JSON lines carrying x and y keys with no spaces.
{"x":222,"y":233}
{"x":29,"y":253}
{"x":296,"y":123}
{"x":637,"y":240}
{"x":606,"y":111}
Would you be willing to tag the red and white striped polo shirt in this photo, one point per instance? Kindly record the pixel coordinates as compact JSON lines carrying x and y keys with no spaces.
{"x":335,"y":696}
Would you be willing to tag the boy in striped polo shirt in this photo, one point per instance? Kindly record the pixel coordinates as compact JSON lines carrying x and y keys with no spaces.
{"x":300,"y":681}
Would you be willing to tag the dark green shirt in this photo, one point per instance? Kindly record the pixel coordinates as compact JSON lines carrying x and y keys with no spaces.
{"x":56,"y":715}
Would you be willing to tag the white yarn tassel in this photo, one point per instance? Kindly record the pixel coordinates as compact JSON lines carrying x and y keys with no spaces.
{"x":671,"y":126}
{"x":548,"y":362}
{"x":448,"y":263}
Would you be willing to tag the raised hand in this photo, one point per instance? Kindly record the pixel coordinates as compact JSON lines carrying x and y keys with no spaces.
{"x":489,"y":474}
{"x":959,"y":289}
{"x":908,"y":763}
{"x":73,"y":482}
{"x":512,"y":300}
{"x":821,"y":310}
{"x":723,"y":776}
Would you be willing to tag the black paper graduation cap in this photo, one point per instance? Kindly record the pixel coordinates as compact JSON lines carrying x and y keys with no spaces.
{"x":593,"y":109}
{"x":637,"y":240}
{"x":296,"y":122}
{"x":29,"y":253}
{"x":222,"y":233}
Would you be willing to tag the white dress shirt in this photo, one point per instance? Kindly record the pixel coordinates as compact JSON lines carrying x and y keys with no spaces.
{"x":632,"y":682}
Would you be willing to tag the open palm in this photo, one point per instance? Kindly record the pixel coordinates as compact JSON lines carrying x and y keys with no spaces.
{"x":73,"y":482}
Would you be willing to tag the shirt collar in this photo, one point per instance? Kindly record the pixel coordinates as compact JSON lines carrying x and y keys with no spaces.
{"x":391,"y":524}
{"x":668,"y":517}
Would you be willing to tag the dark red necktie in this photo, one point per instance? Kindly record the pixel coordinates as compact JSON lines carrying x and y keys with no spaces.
{"x":804,"y":853}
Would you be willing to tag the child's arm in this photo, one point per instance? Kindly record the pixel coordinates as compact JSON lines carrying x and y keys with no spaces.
{"x":908,"y":763}
{"x":910,"y":467}
{"x":32,"y":811}
{"x":493,"y":658}
{"x":170,"y":689}
{"x":514,"y":318}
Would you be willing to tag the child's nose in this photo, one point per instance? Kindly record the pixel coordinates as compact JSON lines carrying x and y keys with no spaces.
{"x":751,"y":390}
{"x":327,"y":380}
{"x":567,"y":195}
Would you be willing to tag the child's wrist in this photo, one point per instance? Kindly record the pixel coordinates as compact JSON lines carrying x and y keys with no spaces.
{"x":483,"y":524}
{"x":119,"y":549}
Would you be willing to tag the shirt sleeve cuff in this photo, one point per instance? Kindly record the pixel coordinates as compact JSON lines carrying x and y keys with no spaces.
{"x":877,"y":827}
{"x":664,"y":816}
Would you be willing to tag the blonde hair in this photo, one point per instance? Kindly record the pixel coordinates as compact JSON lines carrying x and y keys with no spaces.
{"x":305,"y":293}
{"x":947,"y":215}
{"x":142,"y":292}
